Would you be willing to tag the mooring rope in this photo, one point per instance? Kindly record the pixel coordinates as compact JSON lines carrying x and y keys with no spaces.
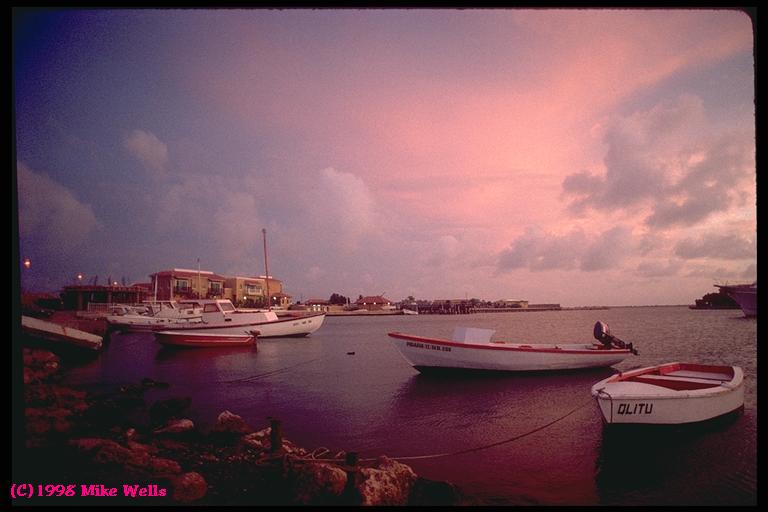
{"x":602,"y":391}
{"x":459,"y":452}
{"x":267,"y":374}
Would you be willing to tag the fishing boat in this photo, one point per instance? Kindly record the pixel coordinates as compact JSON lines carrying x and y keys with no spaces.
{"x":472,"y":349}
{"x":61,"y":335}
{"x":744,"y":294}
{"x":670,"y":394}
{"x":221,"y":317}
{"x":205,"y":339}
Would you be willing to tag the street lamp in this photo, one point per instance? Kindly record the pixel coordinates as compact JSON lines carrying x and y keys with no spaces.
{"x":27,"y":263}
{"x":79,"y":278}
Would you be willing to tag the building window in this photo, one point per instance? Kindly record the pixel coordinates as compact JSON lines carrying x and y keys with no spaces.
{"x":252,"y":289}
{"x":215,"y":287}
{"x":181,"y":285}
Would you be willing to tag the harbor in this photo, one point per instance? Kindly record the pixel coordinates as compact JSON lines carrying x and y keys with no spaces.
{"x":384,"y":257}
{"x":347,"y":373}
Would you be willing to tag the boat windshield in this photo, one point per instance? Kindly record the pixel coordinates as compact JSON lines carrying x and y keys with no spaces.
{"x":226,"y":306}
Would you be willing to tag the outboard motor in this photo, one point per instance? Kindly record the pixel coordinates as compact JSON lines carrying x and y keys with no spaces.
{"x":603,"y":335}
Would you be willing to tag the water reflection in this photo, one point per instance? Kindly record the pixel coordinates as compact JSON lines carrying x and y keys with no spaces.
{"x":650,"y":464}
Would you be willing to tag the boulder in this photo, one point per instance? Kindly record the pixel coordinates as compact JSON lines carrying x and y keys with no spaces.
{"x":318,"y":483}
{"x":388,"y":482}
{"x":176,"y":426}
{"x":189,"y":487}
{"x":230,"y":423}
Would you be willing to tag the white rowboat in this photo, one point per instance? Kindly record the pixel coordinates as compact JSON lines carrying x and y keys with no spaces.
{"x":670,"y":394}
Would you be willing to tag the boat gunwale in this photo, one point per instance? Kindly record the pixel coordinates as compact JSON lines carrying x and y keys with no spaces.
{"x":725,"y":386}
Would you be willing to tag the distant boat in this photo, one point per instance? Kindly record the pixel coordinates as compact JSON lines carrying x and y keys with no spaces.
{"x":204,"y":339}
{"x":472,"y":349}
{"x":60,"y":334}
{"x":407,"y":311}
{"x":744,"y":294}
{"x":670,"y":394}
{"x":220,"y":316}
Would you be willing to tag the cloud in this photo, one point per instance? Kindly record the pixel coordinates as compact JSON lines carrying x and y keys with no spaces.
{"x":712,"y":184}
{"x":49,"y":214}
{"x":659,"y":268}
{"x":609,"y":250}
{"x":727,"y":247}
{"x":339,"y":204}
{"x":537,"y":250}
{"x":148,"y":149}
{"x":657,"y":161}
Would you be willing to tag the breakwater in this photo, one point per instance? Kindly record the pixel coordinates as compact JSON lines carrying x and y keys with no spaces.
{"x":114,"y":446}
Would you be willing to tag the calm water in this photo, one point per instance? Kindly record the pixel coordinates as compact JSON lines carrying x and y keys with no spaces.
{"x":347,"y":388}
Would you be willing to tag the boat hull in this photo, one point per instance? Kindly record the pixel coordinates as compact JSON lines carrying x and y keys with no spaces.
{"x":432,"y":354}
{"x":139,"y":323}
{"x":60,"y":334}
{"x":745,"y":296}
{"x":283,"y":327}
{"x":687,"y":394}
{"x":204,"y":340}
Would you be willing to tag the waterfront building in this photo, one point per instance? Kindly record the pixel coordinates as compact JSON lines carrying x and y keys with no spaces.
{"x":78,"y":297}
{"x":374,"y":303}
{"x":181,"y":283}
{"x":253,"y":290}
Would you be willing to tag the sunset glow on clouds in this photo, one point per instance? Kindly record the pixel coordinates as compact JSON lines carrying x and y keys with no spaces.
{"x":434,"y":153}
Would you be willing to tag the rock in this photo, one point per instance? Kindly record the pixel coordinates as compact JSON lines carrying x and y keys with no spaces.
{"x":135,"y":461}
{"x":39,"y":365}
{"x":318,"y":483}
{"x":158,"y":466}
{"x":257,"y":440}
{"x":387,"y":483}
{"x":140,"y":447}
{"x":41,"y":421}
{"x":430,"y":492}
{"x":176,"y":427}
{"x":103,"y":451}
{"x":189,"y":487}
{"x":229,"y":423}
{"x":37,"y":358}
{"x":163,"y":410}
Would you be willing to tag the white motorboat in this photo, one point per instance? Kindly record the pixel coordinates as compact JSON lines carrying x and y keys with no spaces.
{"x":745,"y":295}
{"x":165,"y":316}
{"x":472,"y":349}
{"x":221,"y":316}
{"x":670,"y":394}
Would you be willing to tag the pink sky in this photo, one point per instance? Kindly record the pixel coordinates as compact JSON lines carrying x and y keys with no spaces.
{"x":491,"y":154}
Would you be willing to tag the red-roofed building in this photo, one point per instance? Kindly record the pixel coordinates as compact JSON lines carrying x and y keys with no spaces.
{"x":374,"y":303}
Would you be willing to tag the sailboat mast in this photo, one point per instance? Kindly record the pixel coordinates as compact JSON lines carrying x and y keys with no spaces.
{"x":266,"y":269}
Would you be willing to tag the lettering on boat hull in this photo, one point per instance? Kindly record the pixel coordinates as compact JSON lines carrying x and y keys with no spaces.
{"x":639,"y":408}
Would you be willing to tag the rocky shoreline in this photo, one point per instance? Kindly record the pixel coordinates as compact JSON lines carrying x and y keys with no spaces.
{"x":97,"y":447}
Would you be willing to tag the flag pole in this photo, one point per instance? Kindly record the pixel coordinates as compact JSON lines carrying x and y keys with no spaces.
{"x":266,"y":269}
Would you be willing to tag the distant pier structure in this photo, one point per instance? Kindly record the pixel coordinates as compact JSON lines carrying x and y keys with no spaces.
{"x":446,"y":307}
{"x":464,"y":307}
